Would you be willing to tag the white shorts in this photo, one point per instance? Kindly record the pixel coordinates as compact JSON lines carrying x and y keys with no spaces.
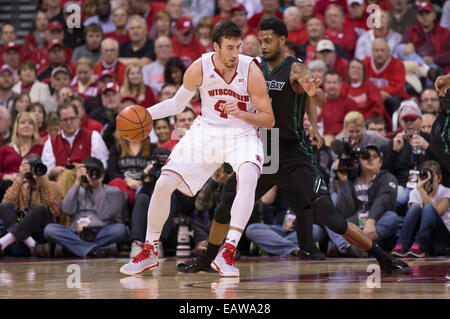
{"x":205,"y":148}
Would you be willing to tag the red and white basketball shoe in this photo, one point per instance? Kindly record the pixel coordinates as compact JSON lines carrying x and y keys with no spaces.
{"x":147,"y":259}
{"x":224,"y":261}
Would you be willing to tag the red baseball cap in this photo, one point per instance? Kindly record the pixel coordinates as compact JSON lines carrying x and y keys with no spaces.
{"x":424,"y":6}
{"x":184,"y":24}
{"x":54,"y":43}
{"x":11,"y":45}
{"x":238,"y":7}
{"x":54,"y":25}
{"x":111,"y":86}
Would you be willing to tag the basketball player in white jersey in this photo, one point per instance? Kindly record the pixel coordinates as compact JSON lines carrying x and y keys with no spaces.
{"x":235,"y":104}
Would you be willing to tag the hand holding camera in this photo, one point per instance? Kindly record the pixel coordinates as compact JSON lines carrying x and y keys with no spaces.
{"x":425,"y":180}
{"x":81,"y":174}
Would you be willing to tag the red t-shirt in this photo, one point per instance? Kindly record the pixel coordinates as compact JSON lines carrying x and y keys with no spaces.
{"x":298,"y":36}
{"x":367,"y":97}
{"x":91,"y":124}
{"x":340,"y":66}
{"x":217,"y":18}
{"x":119,"y":71}
{"x":333,"y":113}
{"x":187,"y":53}
{"x":253,"y":22}
{"x":359,"y":26}
{"x":346,"y":38}
{"x":155,"y":8}
{"x":118,"y":37}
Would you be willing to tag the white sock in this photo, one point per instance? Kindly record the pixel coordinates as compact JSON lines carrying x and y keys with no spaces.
{"x":30,"y":242}
{"x":7,"y":240}
{"x":152,"y":238}
{"x":233,"y":237}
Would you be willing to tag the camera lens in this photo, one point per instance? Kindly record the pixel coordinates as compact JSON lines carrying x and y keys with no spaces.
{"x":28,"y":175}
{"x":94,"y":173}
{"x":84,"y":179}
{"x":39,"y":169}
{"x":365,"y":154}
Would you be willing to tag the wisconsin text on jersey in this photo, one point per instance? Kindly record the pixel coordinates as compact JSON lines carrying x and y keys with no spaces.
{"x":275,"y":85}
{"x":243,"y":98}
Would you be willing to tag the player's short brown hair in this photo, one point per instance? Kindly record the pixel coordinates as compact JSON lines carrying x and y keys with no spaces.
{"x":225,"y":29}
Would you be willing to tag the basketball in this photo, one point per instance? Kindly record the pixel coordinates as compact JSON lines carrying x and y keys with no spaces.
{"x":134,"y":123}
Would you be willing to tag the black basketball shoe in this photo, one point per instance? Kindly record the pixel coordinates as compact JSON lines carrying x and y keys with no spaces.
{"x":195,"y":264}
{"x":395,"y":266}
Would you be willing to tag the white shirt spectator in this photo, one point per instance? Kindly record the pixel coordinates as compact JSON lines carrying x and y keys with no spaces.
{"x":153,"y":74}
{"x":445,"y":18}
{"x":364,"y":44}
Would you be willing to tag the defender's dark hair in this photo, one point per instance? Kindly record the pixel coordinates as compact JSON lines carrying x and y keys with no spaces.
{"x":274,"y":24}
{"x":225,"y":29}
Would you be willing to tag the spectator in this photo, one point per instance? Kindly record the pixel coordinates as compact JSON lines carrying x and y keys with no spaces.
{"x":162,"y":130}
{"x":93,"y":37}
{"x":120,"y":20}
{"x":337,"y":106}
{"x":445,"y":17}
{"x":84,"y":83}
{"x":429,"y":101}
{"x":326,"y":52}
{"x":103,"y":18}
{"x":96,"y":102}
{"x":140,"y":49}
{"x":317,"y":69}
{"x":53,"y":126}
{"x":37,"y":91}
{"x":363,"y":92}
{"x":377,"y":125}
{"x":430,"y":40}
{"x":37,"y":111}
{"x":111,"y":99}
{"x":337,"y":32}
{"x":427,"y":122}
{"x":6,"y":84}
{"x":126,"y":163}
{"x":204,"y":29}
{"x":167,"y":91}
{"x":162,"y":26}
{"x":35,"y":39}
{"x":183,"y":121}
{"x":174,"y":71}
{"x":270,"y":9}
{"x":134,"y":85}
{"x":250,"y":46}
{"x":364,"y":43}
{"x":8,"y":33}
{"x":291,"y":49}
{"x":147,"y":9}
{"x":367,"y":201}
{"x":73,"y":33}
{"x":224,"y":7}
{"x":238,"y":15}
{"x":64,"y":93}
{"x":21,"y":102}
{"x":292,"y":17}
{"x":195,"y":10}
{"x":5,"y":126}
{"x":94,"y":209}
{"x":56,"y":57}
{"x":426,"y":227}
{"x":11,"y":56}
{"x":175,"y":10}
{"x":316,"y":32}
{"x":60,"y":78}
{"x":24,"y":140}
{"x":356,"y":17}
{"x":71,"y":146}
{"x":185,"y":43}
{"x":54,"y":11}
{"x":403,"y":16}
{"x":388,"y":75}
{"x":87,"y":123}
{"x":410,"y":148}
{"x":110,"y":61}
{"x":29,"y":206}
{"x":307,"y":11}
{"x":153,"y":73}
{"x":321,"y":5}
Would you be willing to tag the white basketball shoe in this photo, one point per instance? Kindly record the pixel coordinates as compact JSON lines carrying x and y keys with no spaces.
{"x":224,"y":262}
{"x":147,"y":259}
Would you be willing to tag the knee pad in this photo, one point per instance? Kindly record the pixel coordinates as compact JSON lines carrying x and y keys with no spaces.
{"x":326,"y":212}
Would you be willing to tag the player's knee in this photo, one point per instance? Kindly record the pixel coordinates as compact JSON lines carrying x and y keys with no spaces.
{"x":167,"y":183}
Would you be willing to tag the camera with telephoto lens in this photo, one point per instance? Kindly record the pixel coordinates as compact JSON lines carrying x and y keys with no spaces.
{"x":349,"y":156}
{"x":423,"y":175}
{"x":37,"y":168}
{"x":159,"y":158}
{"x":94,"y":171}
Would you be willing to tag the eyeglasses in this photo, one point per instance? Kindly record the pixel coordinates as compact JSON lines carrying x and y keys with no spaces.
{"x":430,"y":99}
{"x":69,"y":119}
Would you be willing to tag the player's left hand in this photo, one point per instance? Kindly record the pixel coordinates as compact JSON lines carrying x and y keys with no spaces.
{"x":310,"y":86}
{"x":232,"y":108}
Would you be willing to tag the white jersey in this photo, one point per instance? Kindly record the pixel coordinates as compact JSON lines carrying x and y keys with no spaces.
{"x":215,"y":91}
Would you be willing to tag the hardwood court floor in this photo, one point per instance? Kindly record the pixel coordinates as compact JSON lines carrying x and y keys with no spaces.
{"x":261,"y":277}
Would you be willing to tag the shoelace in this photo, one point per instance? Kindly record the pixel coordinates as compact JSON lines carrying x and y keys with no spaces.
{"x":229,"y":254}
{"x":144,"y":254}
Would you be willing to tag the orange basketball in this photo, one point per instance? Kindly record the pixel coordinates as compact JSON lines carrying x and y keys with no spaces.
{"x":134,"y":123}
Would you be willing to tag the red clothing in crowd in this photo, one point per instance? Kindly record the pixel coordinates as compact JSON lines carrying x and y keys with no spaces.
{"x":154,"y":9}
{"x":385,"y":4}
{"x":250,"y":31}
{"x":254,"y":20}
{"x":29,"y":46}
{"x":217,"y":18}
{"x":149,"y":98}
{"x":91,"y":91}
{"x":118,"y":37}
{"x":170,"y":144}
{"x":340,"y":66}
{"x":91,"y":124}
{"x":435,"y":44}
{"x":333,"y":113}
{"x":10,"y":160}
{"x":118,"y":69}
{"x":187,"y":53}
{"x":367,"y":97}
{"x":40,"y":58}
{"x":389,"y":78}
{"x":298,"y":36}
{"x":359,"y":26}
{"x":321,"y":5}
{"x":346,"y":38}
{"x":81,"y":148}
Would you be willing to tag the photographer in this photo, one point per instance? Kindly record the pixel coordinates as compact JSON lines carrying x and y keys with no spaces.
{"x":94,"y":209}
{"x":29,"y":205}
{"x":427,"y":222}
{"x":368,"y":201}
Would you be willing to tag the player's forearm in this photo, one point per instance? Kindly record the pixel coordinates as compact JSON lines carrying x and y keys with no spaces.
{"x":260,"y":119}
{"x":172,"y":106}
{"x":319,"y":99}
{"x":312,"y":114}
